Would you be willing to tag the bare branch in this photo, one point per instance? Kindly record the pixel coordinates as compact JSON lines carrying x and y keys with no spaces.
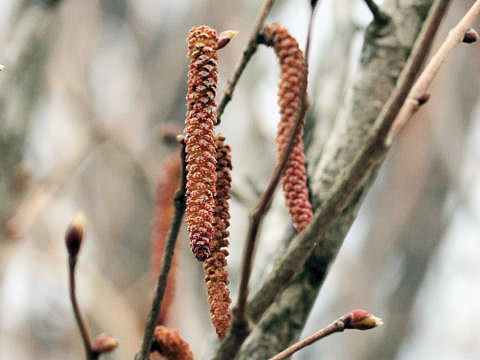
{"x":179,"y":201}
{"x":248,"y":52}
{"x":356,"y":319}
{"x":418,"y":95}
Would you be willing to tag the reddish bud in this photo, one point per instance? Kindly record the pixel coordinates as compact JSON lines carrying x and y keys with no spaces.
{"x":225,"y":37}
{"x":361,"y":320}
{"x":104,"y":343}
{"x":74,"y":234}
{"x":470,"y":36}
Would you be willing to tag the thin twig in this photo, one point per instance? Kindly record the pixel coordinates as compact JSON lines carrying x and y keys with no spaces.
{"x":172,"y":235}
{"x":418,"y":95}
{"x":346,"y":186}
{"x":336,"y":326}
{"x":239,"y":327}
{"x":87,"y":342}
{"x":357,"y":319}
{"x":379,"y":16}
{"x":248,"y":52}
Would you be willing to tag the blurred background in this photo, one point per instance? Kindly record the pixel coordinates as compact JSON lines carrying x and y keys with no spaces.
{"x":92,"y":92}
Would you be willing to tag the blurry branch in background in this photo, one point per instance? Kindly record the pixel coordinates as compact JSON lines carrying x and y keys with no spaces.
{"x":248,"y":52}
{"x":73,"y":241}
{"x":357,"y":319}
{"x":179,"y":203}
{"x":418,"y":95}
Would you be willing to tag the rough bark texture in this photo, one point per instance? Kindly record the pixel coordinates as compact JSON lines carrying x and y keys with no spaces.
{"x":384,"y":54}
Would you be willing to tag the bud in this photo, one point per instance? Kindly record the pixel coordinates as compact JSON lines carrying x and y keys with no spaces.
{"x":470,"y":36}
{"x":225,"y":37}
{"x":74,"y":234}
{"x":423,"y":98}
{"x":361,"y":320}
{"x":104,"y":343}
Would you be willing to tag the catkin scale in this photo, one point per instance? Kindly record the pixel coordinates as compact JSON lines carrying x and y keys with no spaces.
{"x":170,"y":344}
{"x":292,"y":68}
{"x":216,"y":276}
{"x":199,"y":140}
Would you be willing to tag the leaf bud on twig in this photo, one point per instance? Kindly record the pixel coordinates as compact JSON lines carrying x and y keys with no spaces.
{"x":225,"y":37}
{"x":104,"y":343}
{"x":471,"y":36}
{"x":74,"y":234}
{"x":361,"y":320}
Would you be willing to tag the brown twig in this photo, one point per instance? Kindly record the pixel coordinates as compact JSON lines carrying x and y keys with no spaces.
{"x":346,"y":186}
{"x":239,"y":327}
{"x":379,"y":16}
{"x":179,"y":202}
{"x":336,"y":326}
{"x":247,"y":54}
{"x":357,"y":319}
{"x":87,"y":342}
{"x":418,"y":95}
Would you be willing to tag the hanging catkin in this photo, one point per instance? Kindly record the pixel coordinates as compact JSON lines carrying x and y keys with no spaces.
{"x":294,"y":179}
{"x":200,"y":144}
{"x":216,"y":276}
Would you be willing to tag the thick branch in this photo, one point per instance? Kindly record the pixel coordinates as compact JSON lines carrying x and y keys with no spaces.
{"x":248,"y":52}
{"x":179,"y":201}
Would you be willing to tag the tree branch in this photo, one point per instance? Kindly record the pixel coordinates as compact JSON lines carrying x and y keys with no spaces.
{"x":87,"y":342}
{"x":418,"y":94}
{"x":346,"y":186}
{"x":248,"y":52}
{"x":179,"y":201}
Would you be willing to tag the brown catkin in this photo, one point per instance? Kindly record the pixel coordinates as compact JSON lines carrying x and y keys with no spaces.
{"x":294,"y":179}
{"x":200,"y":144}
{"x":216,"y":276}
{"x":168,"y":184}
{"x":170,"y":344}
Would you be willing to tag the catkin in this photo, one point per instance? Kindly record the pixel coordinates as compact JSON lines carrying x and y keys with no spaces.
{"x":294,"y":180}
{"x":168,"y":184}
{"x":170,"y":344}
{"x":200,"y":144}
{"x":216,"y":276}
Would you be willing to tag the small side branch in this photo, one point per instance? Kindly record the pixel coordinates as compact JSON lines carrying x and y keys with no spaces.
{"x":357,"y":319}
{"x":419,"y":95}
{"x":179,"y":201}
{"x":248,"y":52}
{"x":380,"y":17}
{"x":87,"y":342}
